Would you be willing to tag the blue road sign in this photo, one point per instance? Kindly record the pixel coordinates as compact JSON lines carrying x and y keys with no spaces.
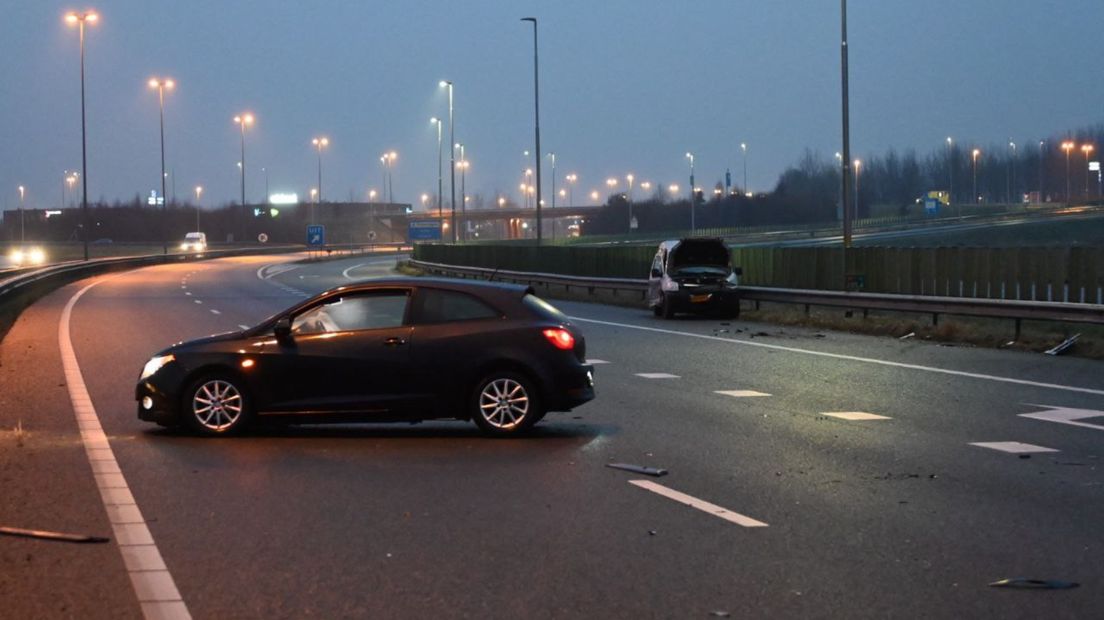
{"x":316,"y":235}
{"x":423,"y":230}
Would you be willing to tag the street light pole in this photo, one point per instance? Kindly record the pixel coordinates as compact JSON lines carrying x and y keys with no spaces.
{"x":1042,"y":167}
{"x":536,"y":116}
{"x":1067,"y":146}
{"x":571,"y":178}
{"x":1012,"y":173}
{"x":242,"y":120}
{"x":858,"y":167}
{"x":452,"y":157}
{"x":846,"y":133}
{"x":976,"y":199}
{"x":693,"y":196}
{"x":553,"y":156}
{"x":80,"y":19}
{"x":440,"y":184}
{"x":463,"y":187}
{"x":199,"y":193}
{"x":319,"y":143}
{"x":161,"y":84}
{"x":950,"y":172}
{"x":743,"y":148}
{"x":1086,"y":149}
{"x":22,"y":237}
{"x":629,"y":177}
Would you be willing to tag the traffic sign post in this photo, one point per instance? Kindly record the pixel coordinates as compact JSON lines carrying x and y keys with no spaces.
{"x":316,"y":235}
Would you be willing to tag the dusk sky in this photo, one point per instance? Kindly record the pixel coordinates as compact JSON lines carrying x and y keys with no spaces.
{"x":626,"y":86}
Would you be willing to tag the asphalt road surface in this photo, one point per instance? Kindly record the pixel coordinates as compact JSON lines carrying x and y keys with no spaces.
{"x":811,"y":474}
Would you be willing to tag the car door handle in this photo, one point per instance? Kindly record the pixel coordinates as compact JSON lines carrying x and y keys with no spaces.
{"x":394,"y":342}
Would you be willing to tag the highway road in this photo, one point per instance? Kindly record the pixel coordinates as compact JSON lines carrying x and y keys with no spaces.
{"x":811,"y":474}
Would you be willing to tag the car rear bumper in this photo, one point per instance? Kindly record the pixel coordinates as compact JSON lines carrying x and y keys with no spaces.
{"x":571,"y":389}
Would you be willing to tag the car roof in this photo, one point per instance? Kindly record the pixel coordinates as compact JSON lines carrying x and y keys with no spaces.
{"x":479,"y":287}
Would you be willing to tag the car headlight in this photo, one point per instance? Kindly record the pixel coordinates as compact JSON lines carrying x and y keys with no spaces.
{"x":155,"y":364}
{"x":37,"y":256}
{"x":183,"y":246}
{"x":669,"y":285}
{"x":16,"y":257}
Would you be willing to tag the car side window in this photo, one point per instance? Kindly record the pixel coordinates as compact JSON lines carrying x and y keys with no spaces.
{"x":353,"y":313}
{"x":437,"y":306}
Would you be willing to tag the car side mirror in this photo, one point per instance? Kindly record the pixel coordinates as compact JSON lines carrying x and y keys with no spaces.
{"x":656,"y":273}
{"x":738,"y":271}
{"x":283,"y":329}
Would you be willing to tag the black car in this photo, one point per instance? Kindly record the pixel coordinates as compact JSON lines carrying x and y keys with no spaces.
{"x":396,"y":349}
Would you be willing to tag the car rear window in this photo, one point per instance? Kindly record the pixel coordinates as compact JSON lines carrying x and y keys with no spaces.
{"x":544,"y":309}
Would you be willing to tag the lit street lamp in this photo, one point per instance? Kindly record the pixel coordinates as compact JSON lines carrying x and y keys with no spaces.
{"x":743,"y":148}
{"x":1012,"y":172}
{"x":858,"y":167}
{"x":388,"y":160}
{"x":22,"y":191}
{"x":161,"y":84}
{"x":80,"y":19}
{"x":199,"y":193}
{"x":319,"y":144}
{"x":950,"y":173}
{"x":571,"y":178}
{"x":976,"y":152}
{"x":463,"y":164}
{"x":243,"y":120}
{"x":1067,"y":146}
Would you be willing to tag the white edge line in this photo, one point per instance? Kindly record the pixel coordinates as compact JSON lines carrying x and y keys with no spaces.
{"x":701,"y":505}
{"x":852,"y":358}
{"x":153,"y":585}
{"x":345,"y":273}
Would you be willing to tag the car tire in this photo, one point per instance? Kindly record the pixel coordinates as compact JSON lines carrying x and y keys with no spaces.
{"x":505,"y":404}
{"x":666,"y":311}
{"x":657,"y":309}
{"x":217,"y":405}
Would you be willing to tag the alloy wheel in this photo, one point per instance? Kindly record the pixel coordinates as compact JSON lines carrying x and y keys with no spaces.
{"x":503,"y":403}
{"x":217,"y":405}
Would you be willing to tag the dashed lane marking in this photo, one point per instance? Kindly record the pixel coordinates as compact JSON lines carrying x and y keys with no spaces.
{"x":855,"y":415}
{"x":699,"y":504}
{"x":198,"y":301}
{"x":852,"y":358}
{"x":1013,"y":447}
{"x":657,"y":375}
{"x":597,"y":362}
{"x":188,"y":293}
{"x":149,"y":576}
{"x":243,"y":326}
{"x":742,"y":393}
{"x":213,"y":311}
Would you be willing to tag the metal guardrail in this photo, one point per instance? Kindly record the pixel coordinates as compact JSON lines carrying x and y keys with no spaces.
{"x":1016,"y":310}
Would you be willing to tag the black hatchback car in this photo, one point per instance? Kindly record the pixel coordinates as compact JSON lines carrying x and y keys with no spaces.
{"x":397,"y":349}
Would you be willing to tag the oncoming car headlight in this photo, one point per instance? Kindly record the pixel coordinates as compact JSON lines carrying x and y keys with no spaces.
{"x":155,"y":364}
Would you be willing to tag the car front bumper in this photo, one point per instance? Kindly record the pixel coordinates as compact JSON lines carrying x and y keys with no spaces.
{"x":691,"y":300}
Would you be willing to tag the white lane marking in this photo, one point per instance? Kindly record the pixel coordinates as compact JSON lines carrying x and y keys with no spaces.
{"x":1013,"y":447}
{"x":1066,"y":415}
{"x":741,"y":393}
{"x":188,"y":293}
{"x":243,"y":326}
{"x":701,"y":505}
{"x":153,"y":585}
{"x":198,"y":301}
{"x":855,"y":415}
{"x":852,"y":358}
{"x":274,"y":269}
{"x":657,"y":375}
{"x":213,"y":311}
{"x":597,"y":362}
{"x":345,"y":274}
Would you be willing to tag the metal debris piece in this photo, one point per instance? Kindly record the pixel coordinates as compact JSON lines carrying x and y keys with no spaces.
{"x":1061,"y":348}
{"x":720,"y":613}
{"x":639,"y":469}
{"x":45,"y":535}
{"x":907,"y":336}
{"x":1034,"y":584}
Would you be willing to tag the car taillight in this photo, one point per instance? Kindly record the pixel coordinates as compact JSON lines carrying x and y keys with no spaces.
{"x":560,"y":338}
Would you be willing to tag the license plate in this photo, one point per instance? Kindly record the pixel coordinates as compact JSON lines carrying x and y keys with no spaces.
{"x":700,"y":299}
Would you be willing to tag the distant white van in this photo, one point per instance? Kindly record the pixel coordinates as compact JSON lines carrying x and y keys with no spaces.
{"x":194,"y":242}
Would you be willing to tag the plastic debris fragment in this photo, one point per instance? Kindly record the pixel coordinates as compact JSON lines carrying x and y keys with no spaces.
{"x":638,"y":469}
